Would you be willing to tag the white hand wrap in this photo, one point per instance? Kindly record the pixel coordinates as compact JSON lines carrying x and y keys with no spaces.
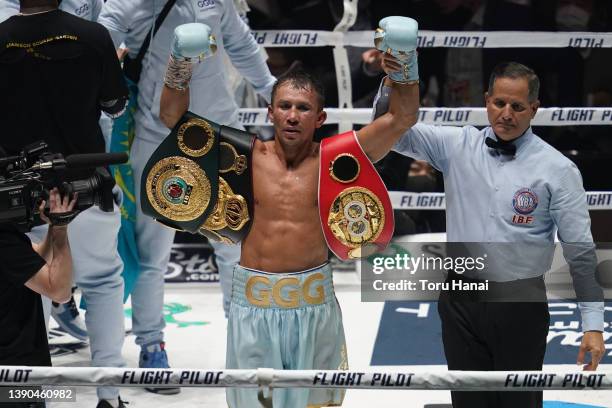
{"x":178,"y":73}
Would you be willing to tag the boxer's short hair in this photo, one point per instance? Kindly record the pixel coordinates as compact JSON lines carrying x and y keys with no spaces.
{"x":515,"y":70}
{"x":301,"y":80}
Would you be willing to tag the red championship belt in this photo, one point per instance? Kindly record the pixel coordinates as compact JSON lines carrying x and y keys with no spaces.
{"x":354,"y":206}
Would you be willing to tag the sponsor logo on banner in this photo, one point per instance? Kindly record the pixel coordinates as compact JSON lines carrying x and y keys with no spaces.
{"x":601,"y":200}
{"x":425,"y":41}
{"x":452,"y":115}
{"x":260,"y":36}
{"x":581,"y":42}
{"x":252,"y":118}
{"x":573,"y":115}
{"x":596,"y":200}
{"x":279,"y":38}
{"x":465,"y":41}
{"x":284,"y":38}
{"x":422,"y":200}
{"x":191,"y":263}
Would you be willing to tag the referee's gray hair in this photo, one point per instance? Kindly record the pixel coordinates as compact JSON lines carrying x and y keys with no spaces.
{"x":515,"y":70}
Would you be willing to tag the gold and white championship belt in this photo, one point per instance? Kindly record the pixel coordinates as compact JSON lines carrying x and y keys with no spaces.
{"x":354,"y":206}
{"x":199,"y":180}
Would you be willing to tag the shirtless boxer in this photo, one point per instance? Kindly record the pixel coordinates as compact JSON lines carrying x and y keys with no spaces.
{"x":284,"y":313}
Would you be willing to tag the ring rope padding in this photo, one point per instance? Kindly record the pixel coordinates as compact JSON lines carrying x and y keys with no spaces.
{"x":270,"y":378}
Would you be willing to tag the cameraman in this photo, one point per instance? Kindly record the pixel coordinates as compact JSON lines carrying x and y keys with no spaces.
{"x":66,"y":315}
{"x":59,"y":72}
{"x":27,"y":271}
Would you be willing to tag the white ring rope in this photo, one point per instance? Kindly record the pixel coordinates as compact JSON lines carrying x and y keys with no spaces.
{"x":341,"y":63}
{"x":451,"y":116}
{"x":400,"y":200}
{"x":340,"y":38}
{"x":446,"y":39}
{"x":428,"y":380}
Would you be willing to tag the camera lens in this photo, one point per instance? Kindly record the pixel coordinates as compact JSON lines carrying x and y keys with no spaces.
{"x":95,"y":190}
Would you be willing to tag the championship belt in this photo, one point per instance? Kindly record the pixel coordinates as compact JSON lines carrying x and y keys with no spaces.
{"x":199,"y":180}
{"x":354,"y":205}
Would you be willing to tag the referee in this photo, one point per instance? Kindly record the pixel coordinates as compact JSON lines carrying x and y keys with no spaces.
{"x":505,"y":184}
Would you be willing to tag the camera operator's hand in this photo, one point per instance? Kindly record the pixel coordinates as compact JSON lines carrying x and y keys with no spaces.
{"x":54,"y":280}
{"x":59,"y":207}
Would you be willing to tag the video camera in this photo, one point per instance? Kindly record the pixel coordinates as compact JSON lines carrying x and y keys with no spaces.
{"x":26,"y":179}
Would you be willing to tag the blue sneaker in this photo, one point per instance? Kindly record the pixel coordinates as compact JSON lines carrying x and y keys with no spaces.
{"x":69,"y":320}
{"x":153,"y":355}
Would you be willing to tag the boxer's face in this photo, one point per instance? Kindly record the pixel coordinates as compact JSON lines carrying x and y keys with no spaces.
{"x":295,"y":113}
{"x":508,"y":107}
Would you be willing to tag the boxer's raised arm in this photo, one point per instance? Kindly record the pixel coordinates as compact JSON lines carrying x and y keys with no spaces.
{"x":173,"y":105}
{"x":380,"y":136}
{"x":396,"y":36}
{"x":192,"y":42}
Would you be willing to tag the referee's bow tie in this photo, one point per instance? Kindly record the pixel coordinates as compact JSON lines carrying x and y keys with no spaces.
{"x":503,"y":147}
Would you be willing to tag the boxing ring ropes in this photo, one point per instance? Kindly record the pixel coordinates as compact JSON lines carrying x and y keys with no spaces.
{"x":345,"y":117}
{"x":266,"y":378}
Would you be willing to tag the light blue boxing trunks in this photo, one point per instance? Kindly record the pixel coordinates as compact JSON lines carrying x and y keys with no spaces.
{"x":286,"y":321}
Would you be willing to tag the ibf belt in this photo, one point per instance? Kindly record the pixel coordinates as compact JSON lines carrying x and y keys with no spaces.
{"x":199,"y":180}
{"x":354,"y":206}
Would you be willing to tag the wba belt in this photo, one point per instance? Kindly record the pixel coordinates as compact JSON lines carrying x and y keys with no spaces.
{"x":199,"y":180}
{"x":354,"y":206}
